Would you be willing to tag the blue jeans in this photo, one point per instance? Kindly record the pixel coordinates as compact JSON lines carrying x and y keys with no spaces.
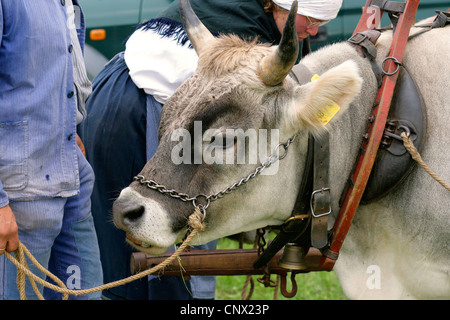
{"x":60,"y":234}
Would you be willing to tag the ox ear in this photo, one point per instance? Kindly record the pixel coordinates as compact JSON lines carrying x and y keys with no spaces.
{"x":317,"y":102}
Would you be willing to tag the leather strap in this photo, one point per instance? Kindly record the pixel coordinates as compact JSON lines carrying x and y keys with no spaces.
{"x":320,"y":202}
{"x":389,"y":6}
{"x":441,"y":20}
{"x":301,"y":74}
{"x":364,"y":43}
{"x":304,"y":194}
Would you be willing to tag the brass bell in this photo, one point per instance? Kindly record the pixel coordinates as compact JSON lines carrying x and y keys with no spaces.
{"x":293,"y":257}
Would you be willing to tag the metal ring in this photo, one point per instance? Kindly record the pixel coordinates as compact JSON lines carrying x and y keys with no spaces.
{"x":285,"y":146}
{"x":201,"y":206}
{"x":202,"y":209}
{"x":398,"y":63}
{"x":407,"y":130}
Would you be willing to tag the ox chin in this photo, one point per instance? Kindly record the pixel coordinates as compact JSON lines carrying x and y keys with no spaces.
{"x":146,"y":223}
{"x":144,"y":246}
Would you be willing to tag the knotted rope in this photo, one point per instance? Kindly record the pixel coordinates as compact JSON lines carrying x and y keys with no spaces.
{"x":409,"y":145}
{"x":195,"y":222}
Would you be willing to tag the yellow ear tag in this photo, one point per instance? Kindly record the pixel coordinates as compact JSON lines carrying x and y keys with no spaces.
{"x":329,"y":111}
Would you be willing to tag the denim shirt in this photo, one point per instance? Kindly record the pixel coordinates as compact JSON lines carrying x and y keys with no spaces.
{"x":38,"y":151}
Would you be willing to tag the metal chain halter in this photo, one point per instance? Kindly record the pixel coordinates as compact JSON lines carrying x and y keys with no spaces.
{"x":152,"y":184}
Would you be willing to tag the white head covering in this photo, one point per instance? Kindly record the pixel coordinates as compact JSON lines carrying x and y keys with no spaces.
{"x":318,"y":9}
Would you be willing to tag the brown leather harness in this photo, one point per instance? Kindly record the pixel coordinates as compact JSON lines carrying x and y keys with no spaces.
{"x":383,"y":162}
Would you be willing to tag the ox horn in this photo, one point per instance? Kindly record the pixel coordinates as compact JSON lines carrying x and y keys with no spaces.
{"x":275,"y":67}
{"x":196,"y":30}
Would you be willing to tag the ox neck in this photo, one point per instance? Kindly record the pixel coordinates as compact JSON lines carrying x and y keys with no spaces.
{"x":318,"y":197}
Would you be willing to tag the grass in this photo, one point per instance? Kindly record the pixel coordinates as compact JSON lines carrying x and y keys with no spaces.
{"x":311,"y":286}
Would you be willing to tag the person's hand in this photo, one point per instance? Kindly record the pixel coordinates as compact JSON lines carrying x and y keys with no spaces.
{"x":9,"y":232}
{"x":81,"y":145}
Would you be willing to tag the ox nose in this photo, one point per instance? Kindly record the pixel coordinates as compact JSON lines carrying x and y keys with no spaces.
{"x":126,"y":213}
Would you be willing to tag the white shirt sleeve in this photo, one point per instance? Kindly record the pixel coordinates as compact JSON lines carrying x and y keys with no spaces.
{"x":158,"y":65}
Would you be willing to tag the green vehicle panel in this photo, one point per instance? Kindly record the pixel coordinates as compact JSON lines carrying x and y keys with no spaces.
{"x":119,"y":18}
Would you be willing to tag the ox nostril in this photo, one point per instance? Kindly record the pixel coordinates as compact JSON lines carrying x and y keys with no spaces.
{"x":132,"y":215}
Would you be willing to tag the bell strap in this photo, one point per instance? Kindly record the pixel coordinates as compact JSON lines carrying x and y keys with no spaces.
{"x":320,"y":203}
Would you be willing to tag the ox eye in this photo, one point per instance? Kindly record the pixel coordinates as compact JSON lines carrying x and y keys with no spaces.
{"x":223,"y":140}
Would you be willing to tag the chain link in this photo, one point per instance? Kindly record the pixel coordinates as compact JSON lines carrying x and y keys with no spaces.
{"x":213,"y":197}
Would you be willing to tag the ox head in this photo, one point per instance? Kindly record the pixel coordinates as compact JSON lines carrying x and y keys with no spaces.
{"x":239,"y":99}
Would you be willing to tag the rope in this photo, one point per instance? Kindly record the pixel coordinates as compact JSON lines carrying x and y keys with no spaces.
{"x":195,"y":222}
{"x":409,"y":145}
{"x":248,"y":280}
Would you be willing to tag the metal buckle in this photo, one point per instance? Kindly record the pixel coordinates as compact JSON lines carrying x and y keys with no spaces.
{"x":358,"y":38}
{"x":311,"y":203}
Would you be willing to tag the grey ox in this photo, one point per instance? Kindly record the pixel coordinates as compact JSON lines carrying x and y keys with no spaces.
{"x":404,"y":236}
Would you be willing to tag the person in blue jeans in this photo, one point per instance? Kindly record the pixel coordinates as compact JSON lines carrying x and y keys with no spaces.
{"x":45,"y":179}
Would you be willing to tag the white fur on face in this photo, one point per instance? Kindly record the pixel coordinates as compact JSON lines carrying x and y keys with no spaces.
{"x":153,"y":229}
